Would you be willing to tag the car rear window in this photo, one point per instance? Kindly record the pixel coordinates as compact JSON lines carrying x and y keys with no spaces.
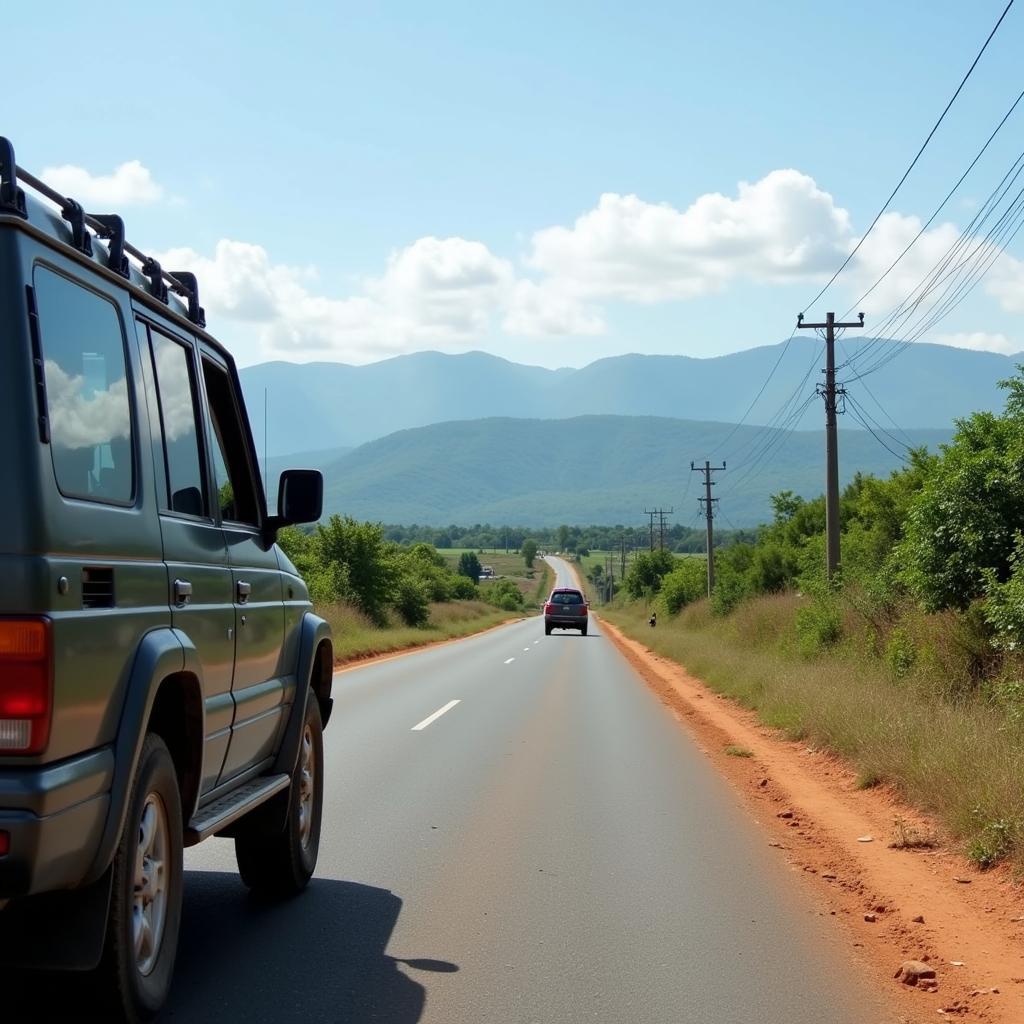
{"x":86,"y":390}
{"x":567,"y":597}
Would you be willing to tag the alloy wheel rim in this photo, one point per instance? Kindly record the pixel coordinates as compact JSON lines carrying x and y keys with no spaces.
{"x":307,"y":787}
{"x":150,"y":896}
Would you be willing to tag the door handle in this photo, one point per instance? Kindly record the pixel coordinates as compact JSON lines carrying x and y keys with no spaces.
{"x":243,"y":589}
{"x":182,"y":591}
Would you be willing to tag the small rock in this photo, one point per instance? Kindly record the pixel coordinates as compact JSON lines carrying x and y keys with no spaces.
{"x":865,"y":839}
{"x":829,"y":875}
{"x":880,"y":908}
{"x":962,"y":881}
{"x":919,"y":919}
{"x":763,"y":782}
{"x":870,"y":918}
{"x":784,"y":814}
{"x":778,"y":846}
{"x":956,"y":963}
{"x":912,"y":971}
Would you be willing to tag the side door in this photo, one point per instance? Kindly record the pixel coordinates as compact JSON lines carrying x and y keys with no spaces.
{"x":261,"y":688}
{"x":199,"y":580}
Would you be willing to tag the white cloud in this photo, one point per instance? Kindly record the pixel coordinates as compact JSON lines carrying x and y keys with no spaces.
{"x":130,"y":184}
{"x":782,"y":228}
{"x":978,"y":341}
{"x":440,"y":292}
{"x":1006,"y":283}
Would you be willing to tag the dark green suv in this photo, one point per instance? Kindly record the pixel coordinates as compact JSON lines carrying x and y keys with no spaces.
{"x":162,"y":676}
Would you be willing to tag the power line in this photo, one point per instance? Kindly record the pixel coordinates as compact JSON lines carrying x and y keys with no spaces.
{"x":938,"y":209}
{"x":857,"y":413}
{"x":913,"y":162}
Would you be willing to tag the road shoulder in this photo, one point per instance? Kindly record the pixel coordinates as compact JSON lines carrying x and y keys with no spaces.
{"x":839,"y":838}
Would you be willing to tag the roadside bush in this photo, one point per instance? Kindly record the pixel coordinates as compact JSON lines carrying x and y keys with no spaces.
{"x":469,"y":566}
{"x":503,"y":594}
{"x":412,"y":601}
{"x":686,"y":583}
{"x":644,"y":576}
{"x":900,"y":652}
{"x":818,"y":627}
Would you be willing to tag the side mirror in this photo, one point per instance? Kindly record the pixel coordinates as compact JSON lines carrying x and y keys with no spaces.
{"x":300,"y":496}
{"x":300,"y":499}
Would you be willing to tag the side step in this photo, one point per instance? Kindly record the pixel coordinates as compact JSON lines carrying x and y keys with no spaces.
{"x":230,"y":807}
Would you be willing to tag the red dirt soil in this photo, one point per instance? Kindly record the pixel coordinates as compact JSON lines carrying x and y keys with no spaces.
{"x":806,"y":800}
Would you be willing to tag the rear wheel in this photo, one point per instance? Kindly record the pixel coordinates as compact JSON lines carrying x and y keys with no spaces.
{"x":281,"y":864}
{"x":547,"y":630}
{"x":145,"y":904}
{"x":583,"y":630}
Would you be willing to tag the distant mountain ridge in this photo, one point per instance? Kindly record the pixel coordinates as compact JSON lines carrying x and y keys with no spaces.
{"x":328,"y":405}
{"x":588,"y":469}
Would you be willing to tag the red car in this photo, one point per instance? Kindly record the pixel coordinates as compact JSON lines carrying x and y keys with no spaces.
{"x":565,"y":609}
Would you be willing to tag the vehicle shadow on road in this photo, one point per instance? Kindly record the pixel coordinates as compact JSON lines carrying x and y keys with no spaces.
{"x":318,"y":957}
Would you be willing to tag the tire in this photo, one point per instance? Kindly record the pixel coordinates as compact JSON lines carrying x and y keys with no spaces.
{"x":135,"y":980}
{"x":583,"y":630}
{"x":281,"y":864}
{"x":547,"y":631}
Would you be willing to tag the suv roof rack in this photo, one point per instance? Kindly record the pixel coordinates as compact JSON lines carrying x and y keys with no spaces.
{"x":109,"y":227}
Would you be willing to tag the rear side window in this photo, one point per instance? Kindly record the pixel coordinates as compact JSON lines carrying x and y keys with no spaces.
{"x":83,"y":349}
{"x":176,"y":390}
{"x":567,"y":597}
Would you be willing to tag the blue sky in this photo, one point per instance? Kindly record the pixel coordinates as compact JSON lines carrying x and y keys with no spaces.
{"x":356,"y":181}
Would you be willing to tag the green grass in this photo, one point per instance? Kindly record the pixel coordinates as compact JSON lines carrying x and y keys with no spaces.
{"x":949,"y":753}
{"x":734,"y":751}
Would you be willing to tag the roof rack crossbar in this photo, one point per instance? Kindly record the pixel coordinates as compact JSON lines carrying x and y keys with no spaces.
{"x":106,"y":228}
{"x":12,"y":199}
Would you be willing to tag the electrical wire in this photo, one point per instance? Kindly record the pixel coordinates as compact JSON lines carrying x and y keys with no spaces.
{"x":913,"y":162}
{"x":855,"y":409}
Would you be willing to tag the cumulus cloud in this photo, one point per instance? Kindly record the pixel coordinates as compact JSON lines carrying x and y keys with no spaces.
{"x":437,"y":291}
{"x":782,"y":228}
{"x":130,"y":184}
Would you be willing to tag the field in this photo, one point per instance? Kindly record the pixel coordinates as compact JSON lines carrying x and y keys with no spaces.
{"x":508,"y":566}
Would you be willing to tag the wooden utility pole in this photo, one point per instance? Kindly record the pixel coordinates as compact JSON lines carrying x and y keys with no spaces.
{"x":707,"y":506}
{"x":652,"y":514}
{"x":831,"y":394}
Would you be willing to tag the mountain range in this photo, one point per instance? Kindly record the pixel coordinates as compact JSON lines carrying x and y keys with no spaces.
{"x":334,"y":405}
{"x":588,"y":469}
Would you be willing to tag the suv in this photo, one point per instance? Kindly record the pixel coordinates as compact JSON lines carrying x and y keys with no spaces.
{"x":162,"y":676}
{"x":565,"y":608}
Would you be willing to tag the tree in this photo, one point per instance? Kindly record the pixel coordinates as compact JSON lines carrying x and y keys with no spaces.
{"x":645,"y":574}
{"x":371,"y":569}
{"x":469,"y":566}
{"x":961,"y":532}
{"x":529,"y":551}
{"x":563,"y":537}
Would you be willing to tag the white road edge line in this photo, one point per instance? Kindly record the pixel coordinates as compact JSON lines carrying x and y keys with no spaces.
{"x":508,"y":661}
{"x":435,"y":716}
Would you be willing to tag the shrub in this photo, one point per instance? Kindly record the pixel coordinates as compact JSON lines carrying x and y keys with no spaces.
{"x":686,"y":583}
{"x":900,"y":652}
{"x":503,"y":594}
{"x":412,"y":601}
{"x":469,"y":566}
{"x":818,"y":627}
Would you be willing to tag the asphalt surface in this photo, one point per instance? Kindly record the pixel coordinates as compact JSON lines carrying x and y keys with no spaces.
{"x":552,"y":849}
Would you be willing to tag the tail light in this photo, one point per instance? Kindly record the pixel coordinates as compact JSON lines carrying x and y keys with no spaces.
{"x":549,"y":608}
{"x":585,"y":609}
{"x":26,"y":685}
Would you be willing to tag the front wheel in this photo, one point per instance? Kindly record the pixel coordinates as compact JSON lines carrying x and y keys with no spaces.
{"x":145,"y":904}
{"x":281,"y":864}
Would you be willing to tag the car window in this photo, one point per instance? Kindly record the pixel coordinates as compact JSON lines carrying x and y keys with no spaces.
{"x":233,"y":473}
{"x":567,"y":597}
{"x":91,"y":436}
{"x":176,"y":393}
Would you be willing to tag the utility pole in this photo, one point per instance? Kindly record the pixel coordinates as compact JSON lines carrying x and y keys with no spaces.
{"x":622,"y":557}
{"x":708,"y":509}
{"x":661,"y":526}
{"x":831,"y":394}
{"x":652,"y":513}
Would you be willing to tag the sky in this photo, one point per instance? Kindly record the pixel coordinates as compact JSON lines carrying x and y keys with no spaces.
{"x":549,"y":182}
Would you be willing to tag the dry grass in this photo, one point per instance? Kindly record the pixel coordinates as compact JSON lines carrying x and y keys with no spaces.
{"x":356,"y":637}
{"x":947,"y":751}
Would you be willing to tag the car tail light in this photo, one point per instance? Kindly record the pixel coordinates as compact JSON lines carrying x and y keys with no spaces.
{"x":584,"y":612}
{"x":26,"y":685}
{"x":5,"y":843}
{"x":549,"y":609}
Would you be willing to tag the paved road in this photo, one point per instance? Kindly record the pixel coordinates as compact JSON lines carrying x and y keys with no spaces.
{"x":552,"y":849}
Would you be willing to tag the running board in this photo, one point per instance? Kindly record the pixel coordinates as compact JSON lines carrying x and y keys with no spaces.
{"x":229,"y":808}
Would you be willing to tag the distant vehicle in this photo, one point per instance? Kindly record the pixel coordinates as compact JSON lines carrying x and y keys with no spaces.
{"x":565,"y":608}
{"x":163,"y":678}
{"x":486,"y":572}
